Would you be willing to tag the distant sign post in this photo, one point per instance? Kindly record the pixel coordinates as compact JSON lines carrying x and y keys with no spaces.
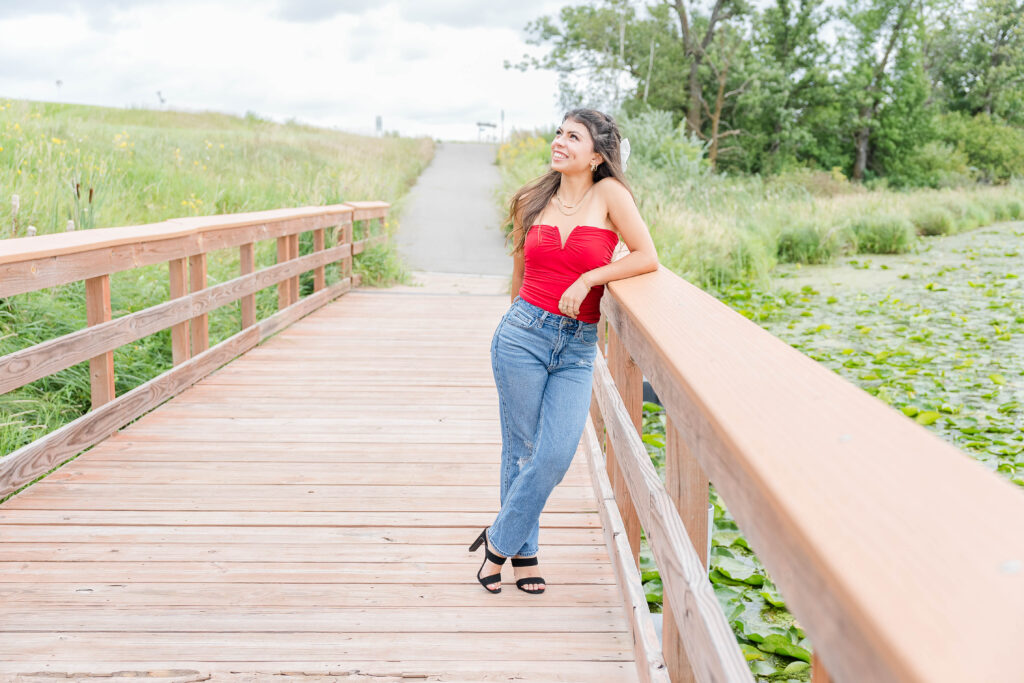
{"x":380,"y":125}
{"x":483,"y":125}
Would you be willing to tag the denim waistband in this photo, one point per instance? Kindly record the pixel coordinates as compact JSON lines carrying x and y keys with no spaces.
{"x":545,"y":318}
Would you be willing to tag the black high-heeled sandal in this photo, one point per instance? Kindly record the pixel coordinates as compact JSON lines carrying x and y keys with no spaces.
{"x":488,"y":555}
{"x":530,"y":580}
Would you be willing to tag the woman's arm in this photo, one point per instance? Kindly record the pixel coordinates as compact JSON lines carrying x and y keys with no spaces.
{"x":642,"y":257}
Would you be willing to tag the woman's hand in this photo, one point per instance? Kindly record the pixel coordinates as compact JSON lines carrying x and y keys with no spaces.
{"x":569,"y":303}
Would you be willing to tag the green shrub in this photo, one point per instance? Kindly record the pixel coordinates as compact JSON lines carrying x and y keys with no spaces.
{"x":813,"y":243}
{"x":934,"y":164}
{"x":977,"y":215}
{"x":883,"y":234}
{"x":816,"y":183}
{"x":999,"y":211}
{"x":995,"y":149}
{"x":380,"y":266}
{"x":934,"y":220}
{"x":1014,"y":209}
{"x":656,"y":141}
{"x":968,"y":214}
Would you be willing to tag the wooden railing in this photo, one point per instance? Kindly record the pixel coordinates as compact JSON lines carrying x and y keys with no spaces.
{"x":900,"y":556}
{"x":33,"y":263}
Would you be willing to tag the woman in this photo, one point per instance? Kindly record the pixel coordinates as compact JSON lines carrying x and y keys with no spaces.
{"x":565,"y":226}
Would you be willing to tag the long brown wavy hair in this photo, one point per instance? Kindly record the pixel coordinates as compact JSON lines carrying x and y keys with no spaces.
{"x":529,"y":201}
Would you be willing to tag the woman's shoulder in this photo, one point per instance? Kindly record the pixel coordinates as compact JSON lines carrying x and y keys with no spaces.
{"x":610,"y":185}
{"x":612,"y":191}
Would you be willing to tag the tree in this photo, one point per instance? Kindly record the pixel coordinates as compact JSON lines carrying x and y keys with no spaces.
{"x":977,"y":59}
{"x":594,"y":48}
{"x":876,"y":31}
{"x":722,"y":63}
{"x":790,"y":90}
{"x":696,"y":36}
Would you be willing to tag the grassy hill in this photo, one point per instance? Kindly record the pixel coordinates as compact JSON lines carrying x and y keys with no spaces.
{"x":143,"y":166}
{"x":103,"y":167}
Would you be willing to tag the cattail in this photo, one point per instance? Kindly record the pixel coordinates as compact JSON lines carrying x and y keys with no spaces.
{"x":30,"y":231}
{"x":15,"y":203}
{"x":70,"y":226}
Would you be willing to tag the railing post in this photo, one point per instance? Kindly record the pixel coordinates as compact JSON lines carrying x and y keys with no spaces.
{"x":283,"y":295}
{"x":293,"y":253}
{"x":319,"y":274}
{"x":247,"y":261}
{"x":178,"y":274}
{"x":200,"y":325}
{"x":101,"y":368}
{"x":818,"y":672}
{"x":687,"y":486}
{"x":346,"y":238}
{"x":629,"y":382}
{"x":595,"y":408}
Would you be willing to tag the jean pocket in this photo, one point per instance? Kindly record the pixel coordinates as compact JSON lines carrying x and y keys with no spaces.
{"x":519,"y":318}
{"x":589,"y":336}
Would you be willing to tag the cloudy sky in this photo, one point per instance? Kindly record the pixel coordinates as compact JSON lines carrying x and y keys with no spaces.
{"x":425,"y":66}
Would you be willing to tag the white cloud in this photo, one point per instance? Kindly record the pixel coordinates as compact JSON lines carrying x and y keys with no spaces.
{"x":425,"y":67}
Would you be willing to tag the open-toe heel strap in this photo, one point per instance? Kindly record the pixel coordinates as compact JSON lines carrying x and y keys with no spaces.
{"x":524,"y":561}
{"x":496,"y":559}
{"x":488,"y":580}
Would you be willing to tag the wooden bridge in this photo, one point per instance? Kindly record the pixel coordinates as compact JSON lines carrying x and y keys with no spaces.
{"x":297,"y":500}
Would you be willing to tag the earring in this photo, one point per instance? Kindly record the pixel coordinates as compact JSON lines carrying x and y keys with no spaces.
{"x":593,"y":166}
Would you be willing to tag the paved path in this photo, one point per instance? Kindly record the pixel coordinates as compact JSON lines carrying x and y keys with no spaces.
{"x":452,"y":223}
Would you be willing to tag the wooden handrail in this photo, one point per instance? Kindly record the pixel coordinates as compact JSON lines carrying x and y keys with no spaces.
{"x":30,"y":264}
{"x":901,"y":557}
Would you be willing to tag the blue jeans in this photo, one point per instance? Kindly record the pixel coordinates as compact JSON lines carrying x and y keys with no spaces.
{"x":543,"y":367}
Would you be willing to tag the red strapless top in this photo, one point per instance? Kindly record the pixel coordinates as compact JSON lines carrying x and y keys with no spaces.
{"x":552,"y":267}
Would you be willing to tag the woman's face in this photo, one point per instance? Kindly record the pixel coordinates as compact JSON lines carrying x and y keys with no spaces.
{"x":572,"y":150}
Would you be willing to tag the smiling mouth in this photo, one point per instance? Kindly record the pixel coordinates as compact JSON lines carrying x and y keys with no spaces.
{"x":558,"y":155}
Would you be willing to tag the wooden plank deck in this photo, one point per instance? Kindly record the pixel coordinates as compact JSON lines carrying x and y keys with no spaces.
{"x":307,"y":510}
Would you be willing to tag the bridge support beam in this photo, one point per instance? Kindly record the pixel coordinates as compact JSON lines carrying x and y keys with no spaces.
{"x":200,"y":325}
{"x":101,"y":368}
{"x":180,"y":351}
{"x":687,"y":486}
{"x":629,"y":381}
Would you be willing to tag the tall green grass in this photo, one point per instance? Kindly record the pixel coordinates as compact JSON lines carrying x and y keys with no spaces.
{"x":144,"y":166}
{"x":102,"y":167}
{"x":715,"y":230}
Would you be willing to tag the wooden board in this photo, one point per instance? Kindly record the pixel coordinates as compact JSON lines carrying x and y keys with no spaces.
{"x":901,"y":557}
{"x":308,"y":508}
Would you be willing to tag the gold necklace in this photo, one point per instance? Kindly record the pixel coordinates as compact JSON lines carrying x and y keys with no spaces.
{"x":562,"y":206}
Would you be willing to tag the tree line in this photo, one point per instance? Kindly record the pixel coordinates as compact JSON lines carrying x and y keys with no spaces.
{"x":915,"y":92}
